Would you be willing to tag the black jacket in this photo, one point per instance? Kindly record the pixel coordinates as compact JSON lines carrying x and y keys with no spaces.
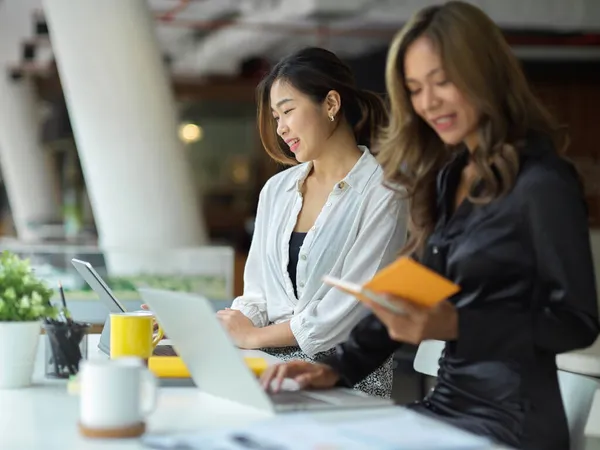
{"x":528,"y":292}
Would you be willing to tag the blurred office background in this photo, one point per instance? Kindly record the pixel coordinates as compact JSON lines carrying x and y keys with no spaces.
{"x":128,"y":135}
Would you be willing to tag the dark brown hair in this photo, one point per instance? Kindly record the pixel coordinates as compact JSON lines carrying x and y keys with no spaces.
{"x":314,"y":72}
{"x":479,"y":62}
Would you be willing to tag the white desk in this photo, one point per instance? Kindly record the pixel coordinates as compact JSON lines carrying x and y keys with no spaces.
{"x":45,"y":415}
{"x":592,"y":428}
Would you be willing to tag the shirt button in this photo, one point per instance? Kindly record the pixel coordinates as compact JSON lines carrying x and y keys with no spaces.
{"x":435,"y":250}
{"x":328,"y":204}
{"x":303,"y":257}
{"x":314,"y":229}
{"x":301,"y":284}
{"x":341,"y":184}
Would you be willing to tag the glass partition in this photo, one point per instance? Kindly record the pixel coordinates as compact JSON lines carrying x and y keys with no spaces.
{"x":203,"y":270}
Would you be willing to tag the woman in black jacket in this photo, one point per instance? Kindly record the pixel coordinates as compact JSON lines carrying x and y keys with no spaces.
{"x":497,"y":210}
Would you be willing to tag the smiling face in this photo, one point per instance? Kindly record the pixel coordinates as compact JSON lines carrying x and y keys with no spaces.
{"x":301,"y":123}
{"x":436,"y":99}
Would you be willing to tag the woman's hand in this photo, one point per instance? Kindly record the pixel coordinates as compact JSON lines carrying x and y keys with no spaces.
{"x":418,"y":323}
{"x":240,"y":328}
{"x":147,"y":308}
{"x":306,"y":374}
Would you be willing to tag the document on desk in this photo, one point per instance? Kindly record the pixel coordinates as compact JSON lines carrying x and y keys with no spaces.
{"x":406,"y":429}
{"x":282,"y":435}
{"x":392,"y":431}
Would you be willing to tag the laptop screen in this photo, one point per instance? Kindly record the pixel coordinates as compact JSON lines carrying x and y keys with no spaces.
{"x":98,"y":285}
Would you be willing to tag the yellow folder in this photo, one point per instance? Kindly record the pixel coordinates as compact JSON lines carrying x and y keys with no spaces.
{"x":404,"y":278}
{"x":174,"y":367}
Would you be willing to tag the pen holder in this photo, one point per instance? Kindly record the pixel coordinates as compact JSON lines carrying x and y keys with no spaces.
{"x":65,"y":347}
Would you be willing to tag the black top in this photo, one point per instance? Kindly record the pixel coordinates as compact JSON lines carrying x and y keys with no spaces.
{"x":528,"y":292}
{"x":296,"y":241}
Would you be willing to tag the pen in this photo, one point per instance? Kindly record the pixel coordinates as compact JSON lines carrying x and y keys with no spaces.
{"x":248,"y":442}
{"x":64,"y":312}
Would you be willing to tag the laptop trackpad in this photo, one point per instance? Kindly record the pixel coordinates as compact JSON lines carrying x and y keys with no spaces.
{"x":296,"y":397}
{"x":337,"y":397}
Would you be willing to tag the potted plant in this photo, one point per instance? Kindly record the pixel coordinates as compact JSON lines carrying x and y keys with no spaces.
{"x":24,"y":302}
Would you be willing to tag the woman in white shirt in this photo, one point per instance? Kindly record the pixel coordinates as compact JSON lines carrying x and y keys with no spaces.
{"x":327,"y":215}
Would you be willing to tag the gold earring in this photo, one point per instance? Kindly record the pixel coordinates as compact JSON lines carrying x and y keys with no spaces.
{"x":331,"y":117}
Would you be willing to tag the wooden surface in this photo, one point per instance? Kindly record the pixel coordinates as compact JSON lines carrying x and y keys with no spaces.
{"x":95,"y":328}
{"x":132,"y":431}
{"x":238,"y":273}
{"x":571,"y":92}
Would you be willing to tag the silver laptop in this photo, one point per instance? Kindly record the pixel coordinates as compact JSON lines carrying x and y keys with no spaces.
{"x":99,"y":286}
{"x":217,"y":366}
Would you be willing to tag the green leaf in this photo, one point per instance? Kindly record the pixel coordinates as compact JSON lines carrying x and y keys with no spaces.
{"x":23,"y":296}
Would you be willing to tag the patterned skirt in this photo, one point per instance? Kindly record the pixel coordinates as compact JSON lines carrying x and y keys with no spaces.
{"x":378,"y":383}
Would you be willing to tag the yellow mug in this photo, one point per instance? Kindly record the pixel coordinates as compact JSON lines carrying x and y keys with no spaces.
{"x":132,"y":334}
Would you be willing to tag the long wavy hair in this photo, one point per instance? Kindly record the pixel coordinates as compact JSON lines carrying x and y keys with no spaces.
{"x":479,"y":62}
{"x":315,"y":71}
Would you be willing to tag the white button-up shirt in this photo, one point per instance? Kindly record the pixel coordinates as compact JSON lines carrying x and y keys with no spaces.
{"x":360,"y":229}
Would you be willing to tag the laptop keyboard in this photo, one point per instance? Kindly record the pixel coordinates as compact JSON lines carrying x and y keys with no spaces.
{"x":294,"y":397}
{"x":164,"y":350}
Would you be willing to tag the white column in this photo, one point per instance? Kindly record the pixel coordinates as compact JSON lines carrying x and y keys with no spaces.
{"x":25,"y":167}
{"x":28,"y":177}
{"x":124,"y":120}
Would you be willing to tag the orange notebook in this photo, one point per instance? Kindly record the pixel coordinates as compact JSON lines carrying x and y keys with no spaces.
{"x":174,"y":367}
{"x":405,"y":278}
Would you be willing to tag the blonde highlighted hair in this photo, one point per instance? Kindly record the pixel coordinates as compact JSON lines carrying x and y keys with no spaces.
{"x":479,"y":62}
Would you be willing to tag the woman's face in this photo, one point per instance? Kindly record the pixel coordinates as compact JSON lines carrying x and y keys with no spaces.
{"x":436,"y":99}
{"x":303,"y":124}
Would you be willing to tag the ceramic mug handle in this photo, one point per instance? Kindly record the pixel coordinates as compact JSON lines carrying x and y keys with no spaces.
{"x":149,"y":392}
{"x":158,"y":336}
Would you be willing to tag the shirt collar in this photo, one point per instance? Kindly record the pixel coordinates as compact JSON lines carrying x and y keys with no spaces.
{"x":357,"y":178}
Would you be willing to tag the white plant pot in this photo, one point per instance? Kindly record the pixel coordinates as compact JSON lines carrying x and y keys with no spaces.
{"x":18,"y":350}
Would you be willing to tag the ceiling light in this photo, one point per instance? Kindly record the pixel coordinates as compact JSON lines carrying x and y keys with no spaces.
{"x":190,"y":133}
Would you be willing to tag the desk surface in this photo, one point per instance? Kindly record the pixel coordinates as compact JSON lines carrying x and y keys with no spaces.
{"x":592,"y":427}
{"x":45,"y":415}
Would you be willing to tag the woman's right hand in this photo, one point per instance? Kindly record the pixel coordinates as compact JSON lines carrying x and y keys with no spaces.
{"x":147,"y":308}
{"x":306,"y":374}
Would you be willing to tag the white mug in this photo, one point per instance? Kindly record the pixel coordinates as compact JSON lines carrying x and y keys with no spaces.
{"x":115,"y":394}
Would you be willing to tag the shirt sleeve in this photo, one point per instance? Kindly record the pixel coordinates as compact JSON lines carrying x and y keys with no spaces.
{"x":329,"y":320}
{"x":566,"y":318}
{"x":367,"y":348}
{"x":253,"y":303}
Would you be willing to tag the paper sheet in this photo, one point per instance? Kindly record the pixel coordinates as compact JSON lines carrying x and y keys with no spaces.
{"x":392,"y":431}
{"x":281,"y":435}
{"x":407,"y":430}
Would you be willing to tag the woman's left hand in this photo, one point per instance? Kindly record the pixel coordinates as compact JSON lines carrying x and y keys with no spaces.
{"x":240,"y":328}
{"x":418,"y":323}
